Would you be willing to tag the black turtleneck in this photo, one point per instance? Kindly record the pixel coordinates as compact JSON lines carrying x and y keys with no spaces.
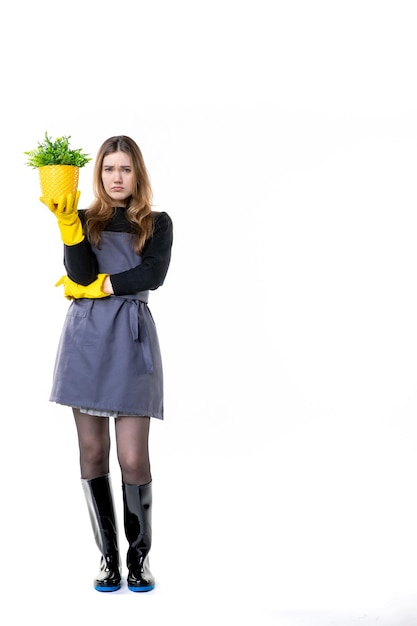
{"x":82,"y":267}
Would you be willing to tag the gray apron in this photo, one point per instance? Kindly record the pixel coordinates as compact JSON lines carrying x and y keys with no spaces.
{"x":108,"y":355}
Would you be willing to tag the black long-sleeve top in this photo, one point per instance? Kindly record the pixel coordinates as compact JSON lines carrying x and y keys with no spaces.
{"x":82,"y":266}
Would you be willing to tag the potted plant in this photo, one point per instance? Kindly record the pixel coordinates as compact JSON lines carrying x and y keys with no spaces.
{"x":58,"y":166}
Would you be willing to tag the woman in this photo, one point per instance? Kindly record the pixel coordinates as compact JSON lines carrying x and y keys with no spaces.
{"x":108,"y":362}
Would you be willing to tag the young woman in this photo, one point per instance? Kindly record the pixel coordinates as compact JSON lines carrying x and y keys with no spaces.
{"x":108,"y":362}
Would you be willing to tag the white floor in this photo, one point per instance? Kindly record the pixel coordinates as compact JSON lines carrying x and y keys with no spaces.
{"x":312,"y":528}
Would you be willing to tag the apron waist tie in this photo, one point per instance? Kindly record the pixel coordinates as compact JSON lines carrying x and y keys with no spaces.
{"x":139,"y":332}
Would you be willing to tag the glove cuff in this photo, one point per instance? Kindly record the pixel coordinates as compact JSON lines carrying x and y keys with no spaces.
{"x":71,"y":234}
{"x":100,"y":282}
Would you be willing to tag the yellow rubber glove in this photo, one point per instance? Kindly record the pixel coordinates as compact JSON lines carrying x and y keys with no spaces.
{"x":73,"y":291}
{"x":66,"y":212}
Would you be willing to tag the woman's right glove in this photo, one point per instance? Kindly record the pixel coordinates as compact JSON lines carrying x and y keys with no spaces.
{"x":66,"y":212}
{"x":73,"y":290}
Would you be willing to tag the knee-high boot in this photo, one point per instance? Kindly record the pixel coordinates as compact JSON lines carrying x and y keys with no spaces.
{"x":137,"y":501}
{"x":98,"y":494}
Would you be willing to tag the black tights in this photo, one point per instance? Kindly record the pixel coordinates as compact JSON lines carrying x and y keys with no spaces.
{"x":132,"y":437}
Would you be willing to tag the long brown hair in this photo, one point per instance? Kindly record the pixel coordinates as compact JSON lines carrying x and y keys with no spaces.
{"x":139,"y":210}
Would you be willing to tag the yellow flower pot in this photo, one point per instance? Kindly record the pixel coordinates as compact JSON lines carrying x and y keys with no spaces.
{"x":58,"y":180}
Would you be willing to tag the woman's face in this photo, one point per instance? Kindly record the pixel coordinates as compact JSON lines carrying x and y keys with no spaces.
{"x":117,"y":177}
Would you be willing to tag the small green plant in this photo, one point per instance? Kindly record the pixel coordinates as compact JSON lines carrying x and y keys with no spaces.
{"x":56,"y":152}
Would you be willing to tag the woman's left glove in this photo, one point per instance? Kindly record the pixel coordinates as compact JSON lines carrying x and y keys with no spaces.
{"x":66,"y":212}
{"x":73,"y":291}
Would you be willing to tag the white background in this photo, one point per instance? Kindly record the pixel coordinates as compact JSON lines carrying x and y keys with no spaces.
{"x":281,"y":137}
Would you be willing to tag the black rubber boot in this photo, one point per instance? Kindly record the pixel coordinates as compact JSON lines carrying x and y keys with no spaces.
{"x":137,"y":501}
{"x":98,"y":494}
